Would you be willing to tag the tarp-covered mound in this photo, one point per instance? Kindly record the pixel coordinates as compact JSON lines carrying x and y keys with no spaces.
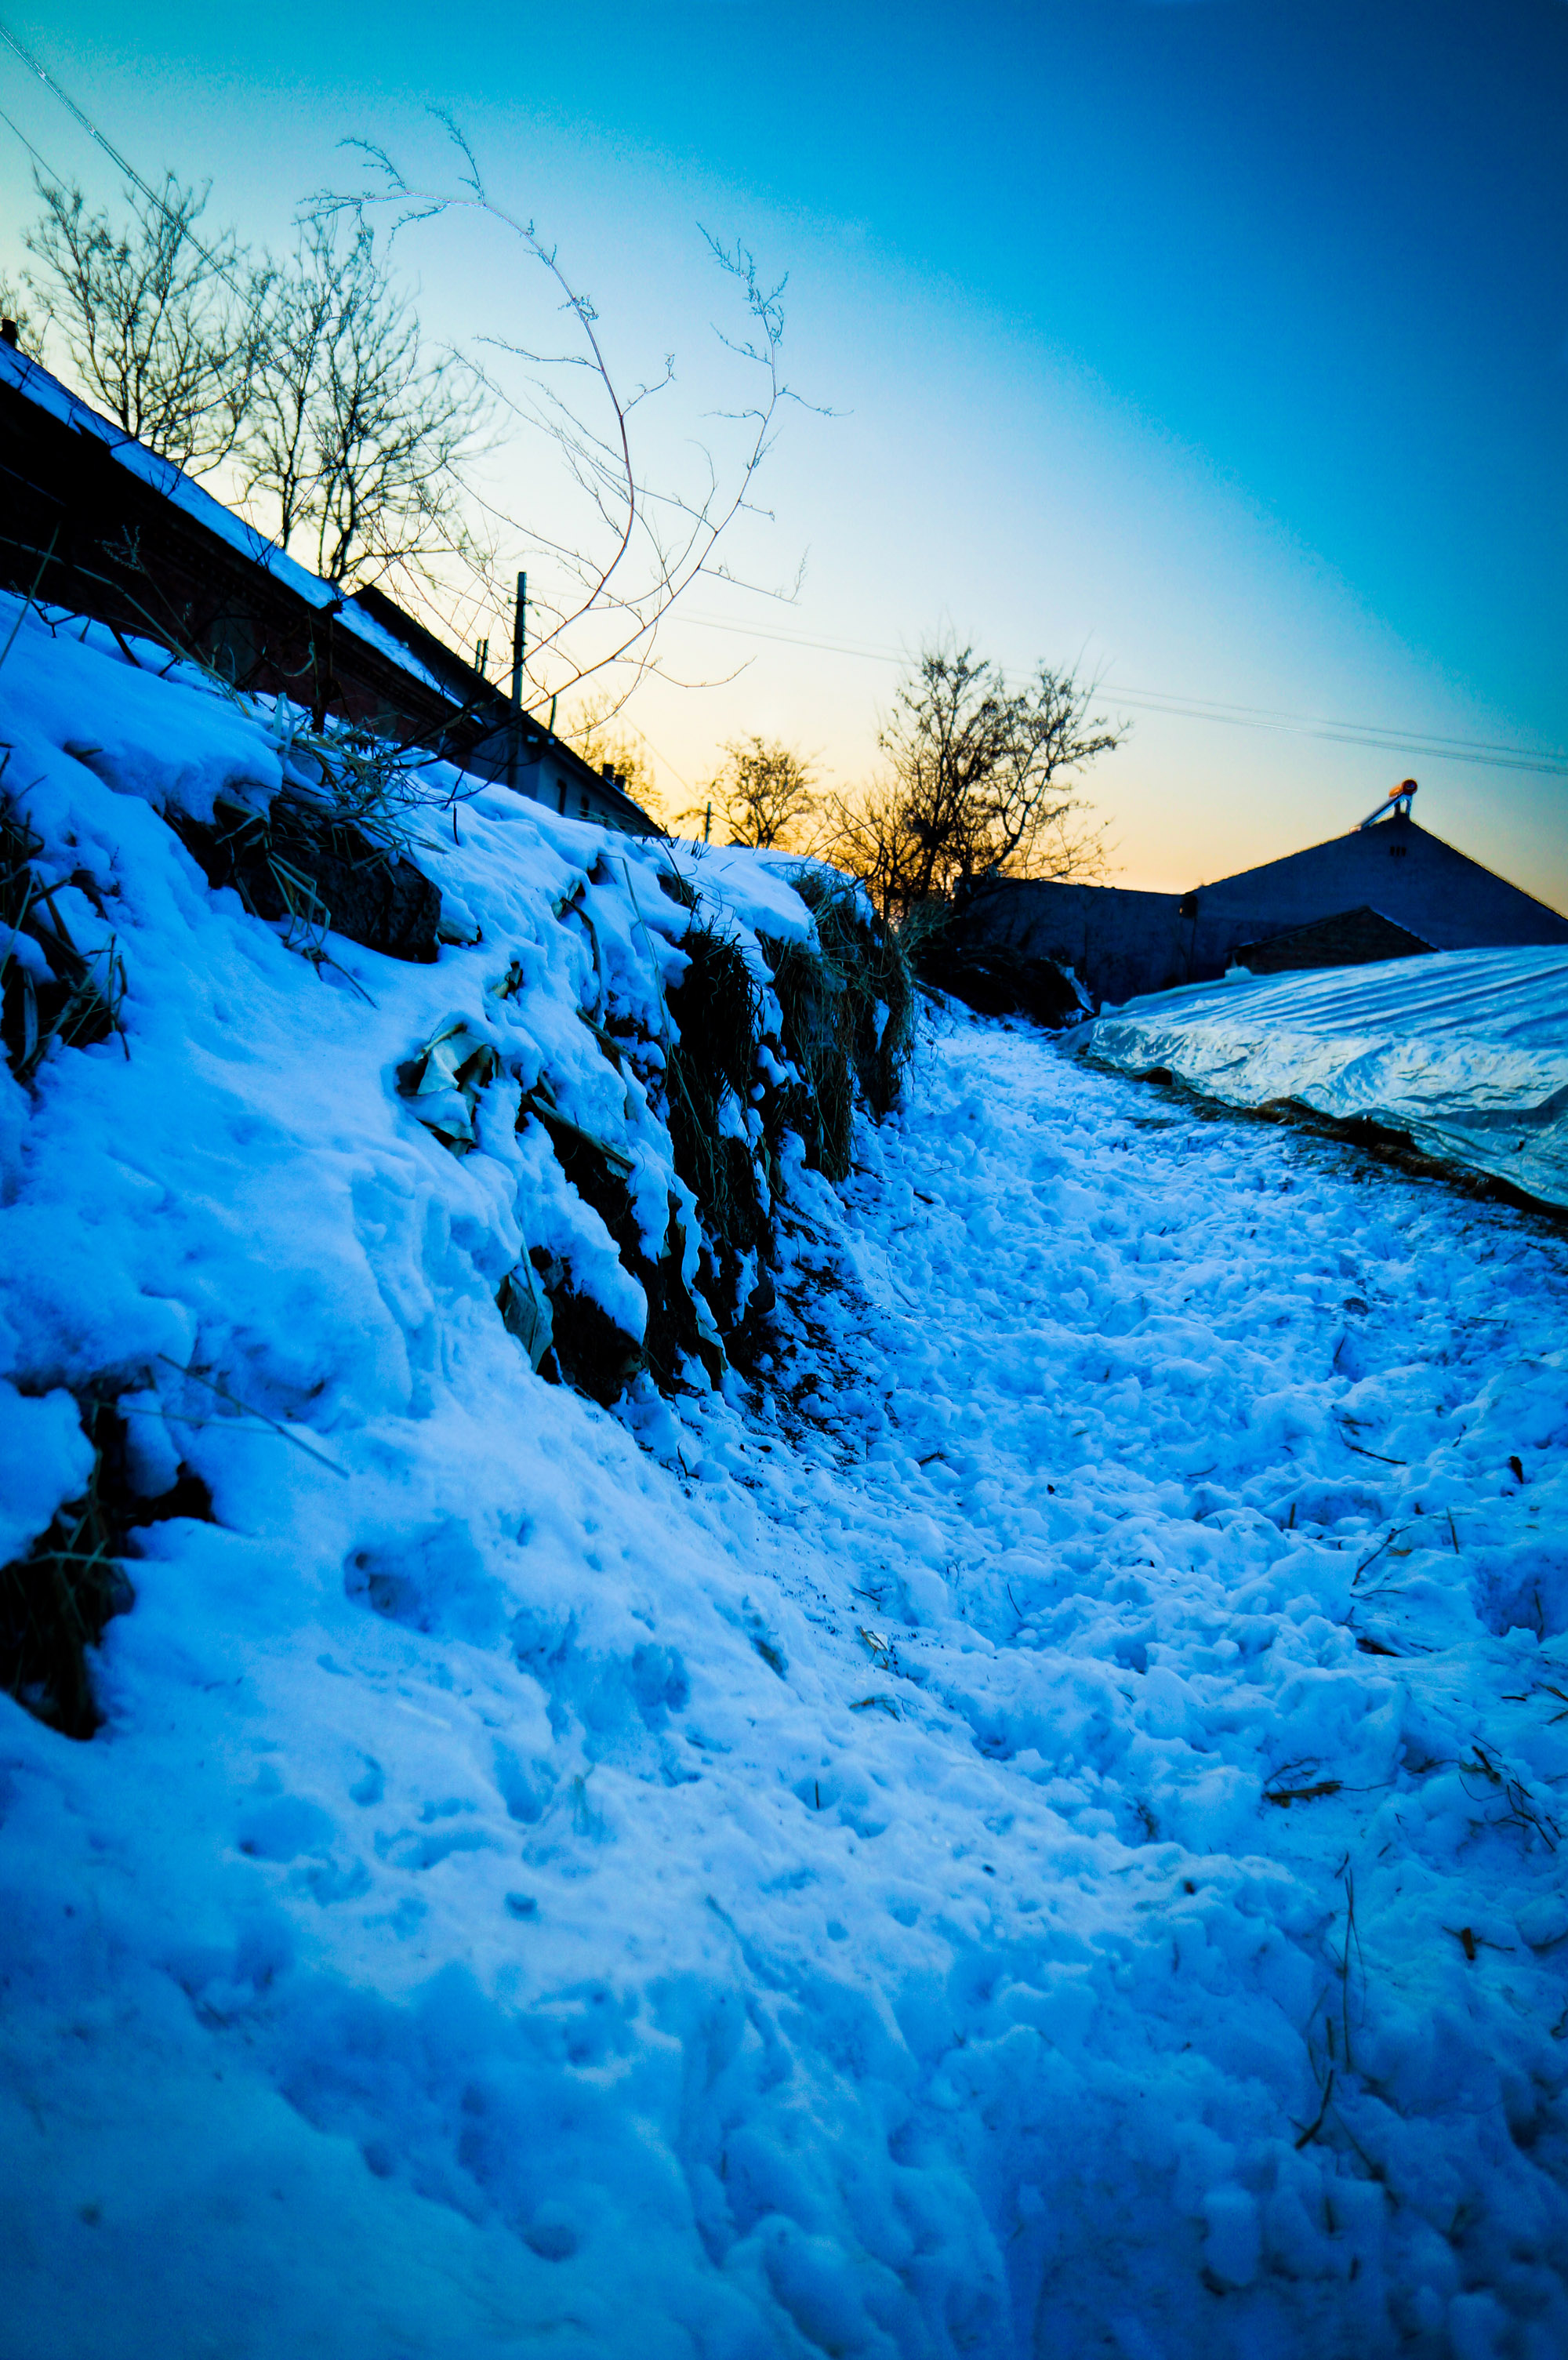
{"x":1466,"y":1051}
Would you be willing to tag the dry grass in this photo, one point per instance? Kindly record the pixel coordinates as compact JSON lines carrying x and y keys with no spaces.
{"x":848,"y":1006}
{"x":711,"y":1072}
{"x":78,"y":1002}
{"x":311,"y":866}
{"x":55,"y":1602}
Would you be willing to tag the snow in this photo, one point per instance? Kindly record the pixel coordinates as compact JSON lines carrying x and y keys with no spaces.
{"x":756,"y":885}
{"x":784,"y":1870}
{"x":1465,"y":1051}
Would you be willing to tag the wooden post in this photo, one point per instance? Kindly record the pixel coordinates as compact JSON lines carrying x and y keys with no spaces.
{"x":520,"y":634}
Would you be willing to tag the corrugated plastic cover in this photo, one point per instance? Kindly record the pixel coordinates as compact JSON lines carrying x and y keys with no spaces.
{"x":1467,"y":1051}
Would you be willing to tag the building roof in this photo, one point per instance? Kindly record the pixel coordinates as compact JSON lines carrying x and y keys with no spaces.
{"x":1360,"y":937}
{"x":83,"y":492}
{"x":1397,"y":882}
{"x":34,"y":382}
{"x":1398,"y":867}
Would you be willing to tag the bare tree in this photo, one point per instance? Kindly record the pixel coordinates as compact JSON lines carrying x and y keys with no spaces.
{"x":597,"y":600}
{"x":14,"y":307}
{"x":280,"y":463}
{"x":980,"y":781}
{"x":763,"y":791}
{"x":310,"y":386}
{"x":347,"y":435}
{"x":150,"y":315}
{"x":357,"y":436}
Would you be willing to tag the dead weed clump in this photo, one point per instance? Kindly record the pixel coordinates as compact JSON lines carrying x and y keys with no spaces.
{"x":710,"y":1078}
{"x":55,"y":1602}
{"x":50,"y":990}
{"x":307,"y":864}
{"x":848,"y":1007}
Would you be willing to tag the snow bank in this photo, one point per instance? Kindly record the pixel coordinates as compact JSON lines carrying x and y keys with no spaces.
{"x":1036,"y":1830}
{"x":1465,"y":1051}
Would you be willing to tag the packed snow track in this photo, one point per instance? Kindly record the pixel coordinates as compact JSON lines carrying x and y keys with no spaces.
{"x":927,"y":1864}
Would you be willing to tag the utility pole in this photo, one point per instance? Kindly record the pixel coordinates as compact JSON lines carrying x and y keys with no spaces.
{"x":520,"y":633}
{"x":519,"y":636}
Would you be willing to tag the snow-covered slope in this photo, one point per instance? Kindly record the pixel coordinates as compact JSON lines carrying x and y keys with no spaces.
{"x":1036,"y":1830}
{"x":1466,"y":1051}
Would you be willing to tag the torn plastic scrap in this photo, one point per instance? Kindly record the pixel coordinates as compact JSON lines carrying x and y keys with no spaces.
{"x":525,"y":1307}
{"x":444,"y":1081}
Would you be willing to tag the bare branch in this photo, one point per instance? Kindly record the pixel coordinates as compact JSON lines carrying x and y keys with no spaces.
{"x":148,"y":315}
{"x":646,"y":543}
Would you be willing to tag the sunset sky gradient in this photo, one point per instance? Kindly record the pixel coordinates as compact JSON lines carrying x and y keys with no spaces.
{"x":1220,"y":347}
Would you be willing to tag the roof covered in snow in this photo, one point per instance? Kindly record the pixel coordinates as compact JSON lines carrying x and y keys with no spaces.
{"x":369,"y":615}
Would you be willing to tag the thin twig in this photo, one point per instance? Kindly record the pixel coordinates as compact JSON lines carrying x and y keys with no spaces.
{"x":1316,"y":2125}
{"x":235,"y":1401}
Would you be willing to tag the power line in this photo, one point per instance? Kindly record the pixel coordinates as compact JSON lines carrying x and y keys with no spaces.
{"x":1488,"y":754}
{"x":41,"y":161}
{"x":121,"y":164}
{"x":637,"y":731}
{"x":1362,"y":732}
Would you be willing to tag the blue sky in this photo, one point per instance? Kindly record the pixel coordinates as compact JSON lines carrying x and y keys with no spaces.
{"x":1224,"y":345}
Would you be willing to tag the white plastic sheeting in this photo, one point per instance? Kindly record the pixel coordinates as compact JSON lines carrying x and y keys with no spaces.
{"x":1467,"y":1051}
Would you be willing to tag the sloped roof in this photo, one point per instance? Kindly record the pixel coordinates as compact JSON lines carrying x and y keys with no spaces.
{"x":368,"y":615}
{"x":30,"y":379}
{"x":1362,"y":854}
{"x":1356,"y":937}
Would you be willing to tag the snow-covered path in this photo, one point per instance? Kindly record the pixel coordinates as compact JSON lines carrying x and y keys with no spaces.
{"x":1033,"y":1835}
{"x":1224,"y":1482}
